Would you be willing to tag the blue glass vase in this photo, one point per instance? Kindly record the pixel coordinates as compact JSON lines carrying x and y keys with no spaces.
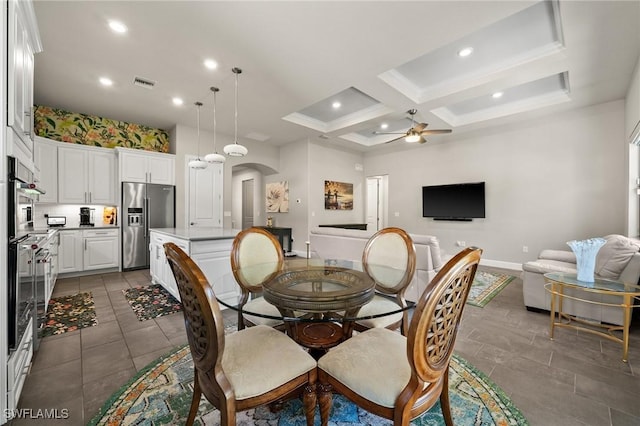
{"x":586,"y":251}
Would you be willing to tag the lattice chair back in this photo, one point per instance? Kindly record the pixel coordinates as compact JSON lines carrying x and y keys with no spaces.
{"x":202,"y":316}
{"x":434,"y":326}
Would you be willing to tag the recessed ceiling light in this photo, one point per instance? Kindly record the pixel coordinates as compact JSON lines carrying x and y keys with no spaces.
{"x":117,"y":27}
{"x":106,"y":81}
{"x":177,"y":101}
{"x":211,"y":64}
{"x":497,"y":95}
{"x":336,"y":105}
{"x":464,"y":52}
{"x":384,"y":126}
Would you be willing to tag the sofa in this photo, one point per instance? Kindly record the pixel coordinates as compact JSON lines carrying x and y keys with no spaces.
{"x":617,"y":259}
{"x":348,"y":244}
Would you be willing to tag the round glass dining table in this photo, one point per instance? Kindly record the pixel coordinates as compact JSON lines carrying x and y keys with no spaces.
{"x":318,"y":300}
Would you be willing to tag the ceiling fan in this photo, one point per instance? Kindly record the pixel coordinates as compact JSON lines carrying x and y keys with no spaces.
{"x":416,"y":133}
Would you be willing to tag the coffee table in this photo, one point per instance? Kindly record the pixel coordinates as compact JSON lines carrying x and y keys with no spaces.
{"x":558,"y":282}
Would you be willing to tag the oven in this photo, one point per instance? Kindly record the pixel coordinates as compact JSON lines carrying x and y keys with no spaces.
{"x":21,"y":194}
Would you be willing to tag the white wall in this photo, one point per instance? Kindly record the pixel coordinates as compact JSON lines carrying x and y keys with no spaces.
{"x":548,"y":181}
{"x":326,"y":163}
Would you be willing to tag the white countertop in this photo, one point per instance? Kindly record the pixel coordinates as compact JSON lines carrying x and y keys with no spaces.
{"x":198,"y":234}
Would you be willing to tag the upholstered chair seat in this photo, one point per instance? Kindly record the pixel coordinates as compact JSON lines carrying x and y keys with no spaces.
{"x":377,"y":305}
{"x":398,"y":377}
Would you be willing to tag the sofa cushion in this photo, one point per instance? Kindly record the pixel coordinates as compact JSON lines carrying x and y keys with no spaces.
{"x":562,"y":255}
{"x":543,"y":266}
{"x":614,"y":255}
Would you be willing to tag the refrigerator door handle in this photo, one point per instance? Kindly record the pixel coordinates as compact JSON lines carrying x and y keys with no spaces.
{"x":146,"y":219}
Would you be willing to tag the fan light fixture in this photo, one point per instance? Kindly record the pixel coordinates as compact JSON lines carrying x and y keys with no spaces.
{"x":214,"y":157}
{"x":235,"y":149}
{"x":198,"y":163}
{"x":413,"y":137}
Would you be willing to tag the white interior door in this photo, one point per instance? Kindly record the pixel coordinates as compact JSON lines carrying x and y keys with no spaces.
{"x":376,"y":203}
{"x":205,"y":196}
{"x":247,"y":203}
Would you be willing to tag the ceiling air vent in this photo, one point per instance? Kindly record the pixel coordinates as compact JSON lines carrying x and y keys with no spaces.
{"x":144,"y":82}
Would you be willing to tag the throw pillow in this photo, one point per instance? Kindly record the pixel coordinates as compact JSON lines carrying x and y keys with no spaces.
{"x":614,"y":255}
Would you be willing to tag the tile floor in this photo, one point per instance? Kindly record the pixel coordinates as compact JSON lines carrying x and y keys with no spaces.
{"x":576,"y":379}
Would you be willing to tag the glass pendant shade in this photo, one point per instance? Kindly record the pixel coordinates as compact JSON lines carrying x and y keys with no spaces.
{"x":198,"y":163}
{"x":235,"y":149}
{"x":214,"y":157}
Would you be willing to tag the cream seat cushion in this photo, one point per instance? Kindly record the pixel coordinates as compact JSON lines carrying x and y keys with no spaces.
{"x":379,"y":305}
{"x":259,"y":359}
{"x":259,"y":305}
{"x":378,"y":375}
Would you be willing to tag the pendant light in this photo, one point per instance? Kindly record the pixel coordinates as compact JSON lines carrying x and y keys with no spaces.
{"x":215,"y":157}
{"x":198,"y":163}
{"x":235,"y":149}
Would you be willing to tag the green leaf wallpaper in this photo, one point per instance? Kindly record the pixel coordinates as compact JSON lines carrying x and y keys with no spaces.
{"x":71,"y":127}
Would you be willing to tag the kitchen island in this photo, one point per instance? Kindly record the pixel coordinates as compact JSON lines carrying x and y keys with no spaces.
{"x":210,"y":249}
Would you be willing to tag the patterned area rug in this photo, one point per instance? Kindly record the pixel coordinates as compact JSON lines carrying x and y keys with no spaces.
{"x":151,"y":301}
{"x":486,"y":286}
{"x":69,"y":313}
{"x":161,"y":394}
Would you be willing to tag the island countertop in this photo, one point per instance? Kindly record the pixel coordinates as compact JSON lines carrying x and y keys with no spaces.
{"x":198,"y":234}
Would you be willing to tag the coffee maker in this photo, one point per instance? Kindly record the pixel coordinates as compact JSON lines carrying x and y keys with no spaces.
{"x":86,"y":216}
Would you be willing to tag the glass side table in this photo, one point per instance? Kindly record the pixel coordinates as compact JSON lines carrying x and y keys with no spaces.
{"x":557,"y":282}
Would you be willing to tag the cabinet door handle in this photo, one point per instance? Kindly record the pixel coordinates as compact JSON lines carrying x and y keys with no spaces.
{"x":90,"y":197}
{"x":85,"y":244}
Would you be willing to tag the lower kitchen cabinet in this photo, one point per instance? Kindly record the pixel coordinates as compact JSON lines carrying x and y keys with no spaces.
{"x":88,"y":250}
{"x":212,"y":256}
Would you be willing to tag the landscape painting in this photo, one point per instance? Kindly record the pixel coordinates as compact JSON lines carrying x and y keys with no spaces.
{"x":338,"y":195}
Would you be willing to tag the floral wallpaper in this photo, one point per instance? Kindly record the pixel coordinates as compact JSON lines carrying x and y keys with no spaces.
{"x":64,"y":126}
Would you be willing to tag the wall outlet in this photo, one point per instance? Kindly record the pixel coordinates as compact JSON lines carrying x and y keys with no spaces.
{"x":396,"y":214}
{"x":461,"y":243}
{"x":525,"y":249}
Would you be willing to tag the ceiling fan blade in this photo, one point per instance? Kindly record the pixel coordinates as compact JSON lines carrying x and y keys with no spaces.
{"x":435,"y":131}
{"x":389,"y":133}
{"x":396,"y":139}
{"x":420,"y":127}
{"x":422,"y":139}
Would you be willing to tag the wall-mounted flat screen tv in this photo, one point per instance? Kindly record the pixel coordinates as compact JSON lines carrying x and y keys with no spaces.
{"x":460,"y":201}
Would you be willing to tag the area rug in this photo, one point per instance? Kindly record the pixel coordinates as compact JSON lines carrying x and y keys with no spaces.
{"x":486,"y":286}
{"x":151,"y":301}
{"x":69,"y":313}
{"x":160,"y":394}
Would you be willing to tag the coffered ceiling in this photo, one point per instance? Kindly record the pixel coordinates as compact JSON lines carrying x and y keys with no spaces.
{"x":336,"y":71}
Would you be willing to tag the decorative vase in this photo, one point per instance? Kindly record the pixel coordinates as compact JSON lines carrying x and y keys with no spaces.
{"x":586,"y":251}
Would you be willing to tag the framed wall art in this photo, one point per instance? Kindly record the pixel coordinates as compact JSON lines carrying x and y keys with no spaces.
{"x":338,"y":195}
{"x":277,"y":197}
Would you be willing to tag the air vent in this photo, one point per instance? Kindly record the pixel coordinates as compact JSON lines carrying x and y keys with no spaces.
{"x":144,"y":82}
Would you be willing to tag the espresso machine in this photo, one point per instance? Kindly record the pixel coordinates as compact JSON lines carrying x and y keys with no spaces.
{"x":87,"y":216}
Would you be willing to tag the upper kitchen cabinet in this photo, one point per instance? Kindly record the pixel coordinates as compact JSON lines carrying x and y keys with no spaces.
{"x":23,"y":41}
{"x":146,"y":167}
{"x":86,"y":175}
{"x":45,"y":158}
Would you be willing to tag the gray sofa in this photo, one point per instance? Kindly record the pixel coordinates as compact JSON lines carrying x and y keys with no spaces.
{"x":335,"y":243}
{"x":618,"y":259}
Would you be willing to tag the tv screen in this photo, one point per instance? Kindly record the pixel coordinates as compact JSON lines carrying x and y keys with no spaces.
{"x":461,"y":201}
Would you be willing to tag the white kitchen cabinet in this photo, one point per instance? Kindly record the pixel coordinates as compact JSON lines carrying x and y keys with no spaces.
{"x":88,"y":250}
{"x":23,"y":41}
{"x":70,"y":251}
{"x":100,"y":249}
{"x":212,"y":256}
{"x":46,"y":168}
{"x":18,"y":366}
{"x":86,"y":175}
{"x":146,"y":167}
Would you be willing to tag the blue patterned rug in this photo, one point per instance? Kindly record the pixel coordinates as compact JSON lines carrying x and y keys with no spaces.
{"x":161,"y":394}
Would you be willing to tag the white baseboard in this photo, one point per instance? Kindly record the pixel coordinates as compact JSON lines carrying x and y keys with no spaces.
{"x":501,"y":264}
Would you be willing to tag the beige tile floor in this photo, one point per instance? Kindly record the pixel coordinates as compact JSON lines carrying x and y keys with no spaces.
{"x":577,"y":379}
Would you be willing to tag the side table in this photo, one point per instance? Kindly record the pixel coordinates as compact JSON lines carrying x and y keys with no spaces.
{"x":283,"y":235}
{"x":557,"y":282}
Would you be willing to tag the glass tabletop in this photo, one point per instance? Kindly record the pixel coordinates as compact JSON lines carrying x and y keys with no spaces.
{"x":598,"y":285}
{"x":311,"y":290}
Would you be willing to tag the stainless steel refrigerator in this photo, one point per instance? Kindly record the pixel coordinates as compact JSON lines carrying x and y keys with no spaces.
{"x":144,"y":206}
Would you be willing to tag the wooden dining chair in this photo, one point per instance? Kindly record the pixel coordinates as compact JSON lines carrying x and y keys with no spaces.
{"x":389,"y":258}
{"x":246,"y":369}
{"x":260,"y":250}
{"x":398,"y":377}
